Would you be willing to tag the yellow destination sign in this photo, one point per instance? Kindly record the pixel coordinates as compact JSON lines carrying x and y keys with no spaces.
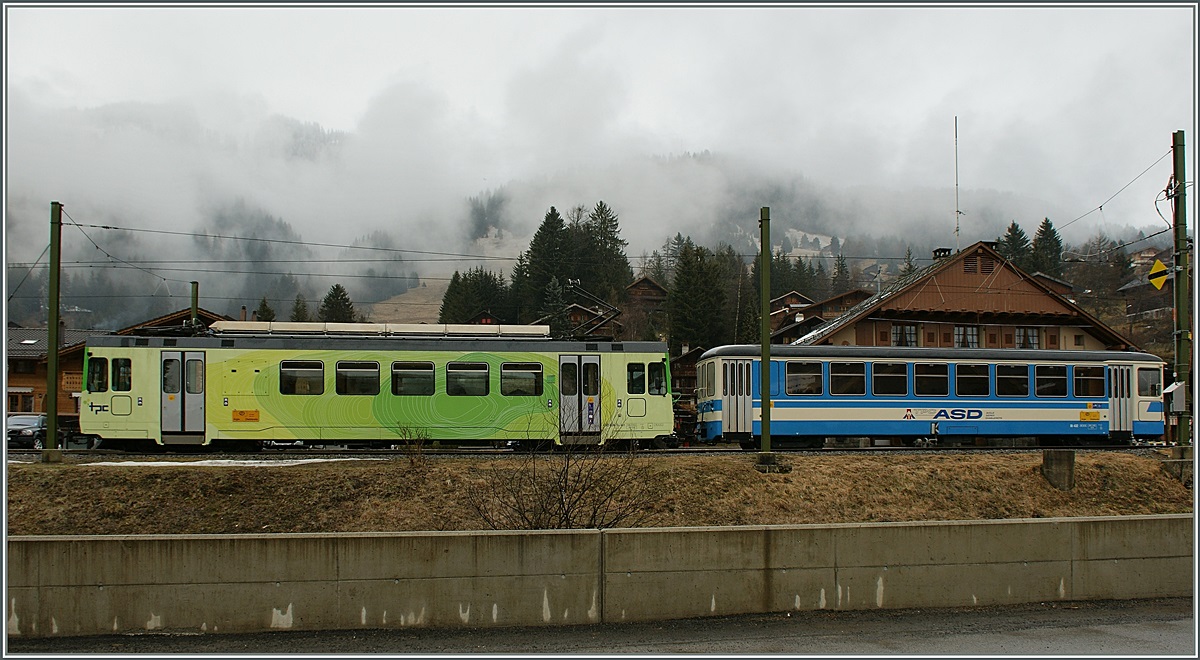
{"x":1158,"y":274}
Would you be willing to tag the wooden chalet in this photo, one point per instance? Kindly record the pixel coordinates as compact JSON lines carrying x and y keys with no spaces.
{"x":786,"y":308}
{"x":646,"y":294}
{"x":974,"y":298}
{"x":26,"y":354}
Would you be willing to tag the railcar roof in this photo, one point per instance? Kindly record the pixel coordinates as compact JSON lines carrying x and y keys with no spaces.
{"x":377,"y":343}
{"x":917,"y":353}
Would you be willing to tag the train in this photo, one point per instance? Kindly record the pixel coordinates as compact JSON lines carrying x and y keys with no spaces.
{"x":245,"y":384}
{"x":924,"y":396}
{"x":249,"y":384}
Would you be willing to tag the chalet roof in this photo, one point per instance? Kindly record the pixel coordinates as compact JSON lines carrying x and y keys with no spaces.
{"x":648,"y":280}
{"x":31,"y":342}
{"x":175,"y":318}
{"x":912,"y":285}
{"x":801,"y":296}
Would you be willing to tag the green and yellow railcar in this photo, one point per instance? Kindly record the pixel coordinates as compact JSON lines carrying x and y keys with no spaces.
{"x":246,"y":383}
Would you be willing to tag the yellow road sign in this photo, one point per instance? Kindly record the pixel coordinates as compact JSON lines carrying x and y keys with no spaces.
{"x":1158,"y":274}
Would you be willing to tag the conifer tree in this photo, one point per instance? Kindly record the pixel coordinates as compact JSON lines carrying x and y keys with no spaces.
{"x":337,"y":306}
{"x":264,"y":311}
{"x":840,"y":282}
{"x":300,"y":312}
{"x":1047,"y":250}
{"x":1015,"y":246}
{"x":909,"y":266}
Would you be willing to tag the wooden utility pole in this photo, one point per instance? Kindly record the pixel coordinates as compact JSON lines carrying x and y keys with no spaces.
{"x":764,"y":226}
{"x":50,"y":405}
{"x":1183,"y":287}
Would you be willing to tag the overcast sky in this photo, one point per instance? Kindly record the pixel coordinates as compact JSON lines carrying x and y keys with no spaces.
{"x":1064,"y":106}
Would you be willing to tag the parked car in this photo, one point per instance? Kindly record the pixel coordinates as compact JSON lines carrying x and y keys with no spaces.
{"x":26,"y":431}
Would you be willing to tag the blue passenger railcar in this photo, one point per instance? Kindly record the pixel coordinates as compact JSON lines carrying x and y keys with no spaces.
{"x":913,"y":396}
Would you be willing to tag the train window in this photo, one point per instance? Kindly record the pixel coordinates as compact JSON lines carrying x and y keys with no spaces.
{"x":357,"y":378}
{"x":658,"y":378}
{"x":412,"y":378}
{"x":1012,"y":380}
{"x":193,"y":378}
{"x":122,"y":375}
{"x":591,"y":378}
{"x":170,"y":376}
{"x":635,"y":378}
{"x":889,"y":379}
{"x":1051,"y":379}
{"x":803,"y":378}
{"x":971,"y":380}
{"x":712,"y":379}
{"x":932,"y":379}
{"x":97,"y":380}
{"x":1149,"y":382}
{"x":568,"y":379}
{"x":1089,"y":382}
{"x":301,"y":377}
{"x":725,"y":379}
{"x":847,"y":378}
{"x":521,"y":379}
{"x":467,"y":379}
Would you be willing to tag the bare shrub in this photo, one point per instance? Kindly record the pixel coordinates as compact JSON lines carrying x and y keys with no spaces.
{"x":576,"y":487}
{"x":413,"y":442}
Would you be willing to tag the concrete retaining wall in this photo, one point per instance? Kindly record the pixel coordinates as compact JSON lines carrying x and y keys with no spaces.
{"x":87,"y":585}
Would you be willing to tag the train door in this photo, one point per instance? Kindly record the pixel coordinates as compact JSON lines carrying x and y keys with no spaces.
{"x":735,"y":398}
{"x":579,"y":399}
{"x":183,"y":397}
{"x":1121,"y":405}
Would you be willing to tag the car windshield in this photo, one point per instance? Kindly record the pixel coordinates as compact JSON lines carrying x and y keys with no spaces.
{"x":23,"y":420}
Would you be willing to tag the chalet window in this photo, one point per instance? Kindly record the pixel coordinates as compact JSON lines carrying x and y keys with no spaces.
{"x":946,"y":338}
{"x":1079,"y":340}
{"x":966,"y":336}
{"x":1052,"y":340}
{"x":904,"y":335}
{"x":1027,"y":338}
{"x":931,"y":338}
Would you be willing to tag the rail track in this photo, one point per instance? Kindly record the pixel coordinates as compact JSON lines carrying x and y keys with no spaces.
{"x":267,"y":454}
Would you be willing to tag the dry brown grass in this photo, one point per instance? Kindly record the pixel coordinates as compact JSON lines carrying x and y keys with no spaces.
{"x":370,"y":496}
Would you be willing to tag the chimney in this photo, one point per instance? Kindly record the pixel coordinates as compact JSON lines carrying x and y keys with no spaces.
{"x":243,"y":313}
{"x":254,"y":315}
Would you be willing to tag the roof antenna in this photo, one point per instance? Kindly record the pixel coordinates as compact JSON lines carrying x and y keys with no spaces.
{"x":957,"y":244}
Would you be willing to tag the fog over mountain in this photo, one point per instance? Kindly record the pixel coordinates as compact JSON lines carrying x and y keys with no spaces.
{"x":442,"y":137}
